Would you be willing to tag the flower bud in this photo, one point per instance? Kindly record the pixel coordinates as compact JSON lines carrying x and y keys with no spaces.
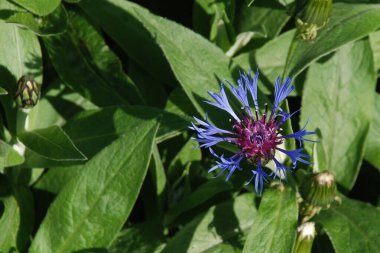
{"x":27,"y":93}
{"x":319,"y":190}
{"x":312,"y":16}
{"x":305,"y":237}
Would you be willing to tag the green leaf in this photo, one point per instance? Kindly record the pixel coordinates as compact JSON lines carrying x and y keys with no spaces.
{"x":276,"y":220}
{"x":39,"y":7}
{"x":17,"y":218}
{"x":332,"y":92}
{"x":372,"y":146}
{"x":352,"y":227}
{"x":52,"y":143}
{"x":54,"y":23}
{"x":119,"y":24}
{"x":93,"y":207}
{"x":8,"y":156}
{"x":348,"y":22}
{"x":223,"y":224}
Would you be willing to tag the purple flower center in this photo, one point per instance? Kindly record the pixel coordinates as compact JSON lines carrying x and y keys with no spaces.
{"x":257,"y":139}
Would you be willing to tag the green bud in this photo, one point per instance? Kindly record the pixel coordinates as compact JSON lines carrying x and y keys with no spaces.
{"x":305,"y":237}
{"x":27,"y":93}
{"x":313,"y":15}
{"x":319,"y":190}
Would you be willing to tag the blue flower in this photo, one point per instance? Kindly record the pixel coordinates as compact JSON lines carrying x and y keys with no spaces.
{"x":257,"y":138}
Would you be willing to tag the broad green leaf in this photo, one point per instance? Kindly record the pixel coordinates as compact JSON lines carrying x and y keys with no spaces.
{"x":17,"y":218}
{"x":352,"y":227}
{"x":120,"y":24}
{"x":140,"y":238}
{"x":348,"y":22}
{"x":52,"y":143}
{"x":274,"y":228}
{"x":372,"y":146}
{"x":66,"y":50}
{"x":39,"y":7}
{"x":93,"y":207}
{"x":20,"y":54}
{"x":54,"y":23}
{"x":9,"y":156}
{"x":332,"y":92}
{"x":55,"y":179}
{"x":223,"y":224}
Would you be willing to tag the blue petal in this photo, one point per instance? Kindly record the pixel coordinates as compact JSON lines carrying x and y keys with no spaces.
{"x":241,"y":94}
{"x":260,"y":176}
{"x":251,"y":84}
{"x":207,"y":128}
{"x":299,"y":135}
{"x":222,"y":102}
{"x":284,"y":116}
{"x":230,"y":164}
{"x":281,"y":92}
{"x":295,"y":155}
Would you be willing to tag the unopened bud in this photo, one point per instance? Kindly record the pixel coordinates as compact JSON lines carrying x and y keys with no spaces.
{"x":319,"y":190}
{"x":312,"y":16}
{"x":305,"y":237}
{"x":27,"y":93}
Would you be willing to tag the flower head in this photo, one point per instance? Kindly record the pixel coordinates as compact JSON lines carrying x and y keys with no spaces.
{"x":257,"y":136}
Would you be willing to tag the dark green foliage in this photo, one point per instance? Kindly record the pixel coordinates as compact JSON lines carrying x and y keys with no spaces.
{"x":102,"y":160}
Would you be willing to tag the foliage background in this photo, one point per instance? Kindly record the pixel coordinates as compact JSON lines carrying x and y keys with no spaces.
{"x":109,"y":165}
